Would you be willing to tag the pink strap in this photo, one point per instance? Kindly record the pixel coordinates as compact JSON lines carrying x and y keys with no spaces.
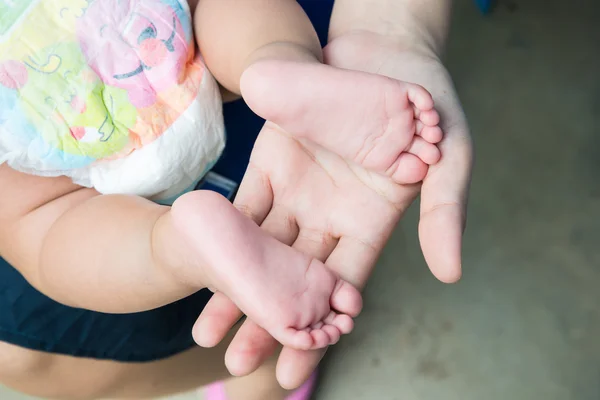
{"x":216,"y":391}
{"x":305,"y":391}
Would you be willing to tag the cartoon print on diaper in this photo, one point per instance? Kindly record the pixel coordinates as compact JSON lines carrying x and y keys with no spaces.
{"x":62,"y":114}
{"x":73,"y":110}
{"x":18,"y":134}
{"x":137,"y":45}
{"x":144,"y":47}
{"x":94,"y":80}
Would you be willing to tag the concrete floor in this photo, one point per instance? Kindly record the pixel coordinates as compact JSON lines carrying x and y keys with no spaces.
{"x":524,"y":323}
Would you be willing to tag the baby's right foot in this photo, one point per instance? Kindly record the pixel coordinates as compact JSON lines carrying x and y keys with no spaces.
{"x":383,"y":124}
{"x":297,"y":299}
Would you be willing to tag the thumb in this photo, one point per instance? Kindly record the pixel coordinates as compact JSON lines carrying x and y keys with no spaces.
{"x":444,"y":196}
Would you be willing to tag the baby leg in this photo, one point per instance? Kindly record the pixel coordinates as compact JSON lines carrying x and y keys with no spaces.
{"x":123,"y":254}
{"x":269,"y":52}
{"x":233,"y":34}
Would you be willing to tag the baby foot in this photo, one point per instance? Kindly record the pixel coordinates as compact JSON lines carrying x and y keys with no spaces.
{"x":297,"y":299}
{"x":383,"y":124}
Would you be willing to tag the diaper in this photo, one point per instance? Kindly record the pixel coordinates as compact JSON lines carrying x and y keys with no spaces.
{"x":110,"y":93}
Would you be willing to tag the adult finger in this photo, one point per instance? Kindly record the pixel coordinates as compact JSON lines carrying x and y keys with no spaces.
{"x":353,"y":260}
{"x":281,"y":224}
{"x":249,"y":349}
{"x":444,"y":197}
{"x":255,"y":195}
{"x":215,"y":321}
{"x":315,"y":243}
{"x":294,"y":367}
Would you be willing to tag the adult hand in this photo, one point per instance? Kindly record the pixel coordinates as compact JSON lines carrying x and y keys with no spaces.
{"x":444,"y":192}
{"x":337,"y":212}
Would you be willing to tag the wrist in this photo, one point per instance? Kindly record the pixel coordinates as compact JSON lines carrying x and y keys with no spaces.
{"x":370,"y":44}
{"x":392,"y":56}
{"x":412,"y":24}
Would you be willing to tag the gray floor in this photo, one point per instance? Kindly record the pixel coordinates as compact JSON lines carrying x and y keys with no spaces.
{"x":524,"y":323}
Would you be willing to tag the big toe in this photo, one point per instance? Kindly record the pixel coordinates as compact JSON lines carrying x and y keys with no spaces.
{"x":342,"y":322}
{"x":333,"y":332}
{"x":419,"y":96}
{"x":346,"y":299}
{"x":408,"y":169}
{"x":429,"y":153}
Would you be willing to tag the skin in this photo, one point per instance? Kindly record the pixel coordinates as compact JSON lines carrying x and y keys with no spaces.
{"x":160,"y":254}
{"x":408,"y":51}
{"x":268,"y":50}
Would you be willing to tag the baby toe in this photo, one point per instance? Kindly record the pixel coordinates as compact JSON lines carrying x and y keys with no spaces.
{"x":217,"y":318}
{"x":298,"y":339}
{"x":320,"y":338}
{"x":346,"y":299}
{"x":427,"y":117}
{"x":427,"y":152}
{"x":420,"y":97}
{"x":333,"y":332}
{"x":408,"y":169}
{"x":432,"y":134}
{"x":344,"y":323}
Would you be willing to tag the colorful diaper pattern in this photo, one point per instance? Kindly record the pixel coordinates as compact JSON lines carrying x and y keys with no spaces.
{"x":83,"y":82}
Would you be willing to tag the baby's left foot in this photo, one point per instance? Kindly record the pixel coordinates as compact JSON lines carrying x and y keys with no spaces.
{"x":383,"y":124}
{"x":294,"y":297}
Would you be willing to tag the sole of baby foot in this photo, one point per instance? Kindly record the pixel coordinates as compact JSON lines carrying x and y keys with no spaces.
{"x":297,"y":299}
{"x":370,"y":119}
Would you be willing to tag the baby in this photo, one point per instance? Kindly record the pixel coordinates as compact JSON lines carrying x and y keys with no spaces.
{"x":114,"y":95}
